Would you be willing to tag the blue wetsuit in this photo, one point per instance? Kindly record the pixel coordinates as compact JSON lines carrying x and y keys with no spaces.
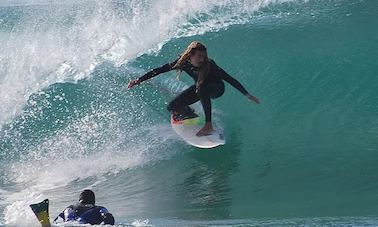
{"x":86,"y":214}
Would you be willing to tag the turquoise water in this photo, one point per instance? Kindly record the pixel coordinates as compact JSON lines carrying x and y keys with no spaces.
{"x":306,"y":156}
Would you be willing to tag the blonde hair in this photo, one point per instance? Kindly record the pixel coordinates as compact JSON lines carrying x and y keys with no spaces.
{"x":203,"y":69}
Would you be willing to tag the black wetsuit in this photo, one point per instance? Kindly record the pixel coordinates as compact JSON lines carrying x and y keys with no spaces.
{"x":212,"y":87}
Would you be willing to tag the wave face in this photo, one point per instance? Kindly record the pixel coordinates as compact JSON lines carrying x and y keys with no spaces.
{"x":308,"y":151}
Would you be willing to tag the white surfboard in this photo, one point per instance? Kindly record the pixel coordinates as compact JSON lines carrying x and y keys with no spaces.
{"x":188,"y":128}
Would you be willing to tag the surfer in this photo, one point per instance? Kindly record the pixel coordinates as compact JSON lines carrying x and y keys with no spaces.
{"x":86,"y":212}
{"x":208,"y":78}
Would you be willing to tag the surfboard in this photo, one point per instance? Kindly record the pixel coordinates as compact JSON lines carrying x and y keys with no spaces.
{"x":41,"y":210}
{"x":187,"y":128}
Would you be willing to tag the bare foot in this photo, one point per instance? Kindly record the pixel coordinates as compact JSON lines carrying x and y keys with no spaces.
{"x":206,"y":130}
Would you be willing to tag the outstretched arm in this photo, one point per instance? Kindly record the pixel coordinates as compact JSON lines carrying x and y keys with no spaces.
{"x":236,"y":84}
{"x":165,"y":68}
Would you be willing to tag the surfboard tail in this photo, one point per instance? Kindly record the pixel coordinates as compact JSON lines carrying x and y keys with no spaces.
{"x":41,"y":210}
{"x":187,"y":129}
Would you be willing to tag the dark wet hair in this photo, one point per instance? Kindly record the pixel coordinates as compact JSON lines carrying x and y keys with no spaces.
{"x":203,"y":69}
{"x":200,"y":47}
{"x":87,"y":197}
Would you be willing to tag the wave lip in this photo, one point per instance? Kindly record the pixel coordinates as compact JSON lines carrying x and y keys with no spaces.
{"x":61,"y":42}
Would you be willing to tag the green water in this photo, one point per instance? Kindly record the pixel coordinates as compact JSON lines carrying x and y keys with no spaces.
{"x":306,"y":156}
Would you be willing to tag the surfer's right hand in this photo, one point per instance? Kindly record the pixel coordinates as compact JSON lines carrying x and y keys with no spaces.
{"x":133,"y":83}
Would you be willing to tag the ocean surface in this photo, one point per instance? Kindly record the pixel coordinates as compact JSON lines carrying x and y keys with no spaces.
{"x":306,"y":156}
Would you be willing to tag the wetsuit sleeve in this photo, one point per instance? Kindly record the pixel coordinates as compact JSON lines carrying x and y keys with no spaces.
{"x":61,"y":215}
{"x":67,"y":214}
{"x":165,"y":68}
{"x":229,"y":79}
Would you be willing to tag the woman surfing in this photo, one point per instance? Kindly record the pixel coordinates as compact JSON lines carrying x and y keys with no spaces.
{"x":208,"y":78}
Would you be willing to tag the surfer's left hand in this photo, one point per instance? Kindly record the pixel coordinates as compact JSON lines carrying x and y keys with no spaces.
{"x":253,"y":98}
